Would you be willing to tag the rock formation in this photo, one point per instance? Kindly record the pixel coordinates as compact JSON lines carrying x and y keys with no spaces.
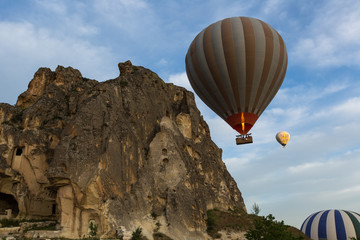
{"x":125,"y":153}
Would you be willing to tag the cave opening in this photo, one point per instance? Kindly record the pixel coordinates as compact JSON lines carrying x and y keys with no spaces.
{"x":18,"y":151}
{"x":7,"y":202}
{"x":53,"y":209}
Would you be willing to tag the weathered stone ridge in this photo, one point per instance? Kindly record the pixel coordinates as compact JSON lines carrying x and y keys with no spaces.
{"x":129,"y":152}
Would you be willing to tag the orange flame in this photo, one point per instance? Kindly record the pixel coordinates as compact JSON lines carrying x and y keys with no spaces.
{"x":242,"y":122}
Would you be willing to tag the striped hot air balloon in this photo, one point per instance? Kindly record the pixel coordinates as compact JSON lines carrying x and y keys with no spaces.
{"x":332,"y":225}
{"x":236,"y":66}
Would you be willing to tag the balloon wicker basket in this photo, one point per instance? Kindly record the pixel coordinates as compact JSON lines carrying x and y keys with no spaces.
{"x":244,"y":139}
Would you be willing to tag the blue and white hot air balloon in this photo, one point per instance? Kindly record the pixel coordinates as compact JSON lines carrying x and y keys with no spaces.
{"x":332,"y":225}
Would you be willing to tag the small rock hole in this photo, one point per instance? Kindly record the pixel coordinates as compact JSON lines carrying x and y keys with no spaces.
{"x":19,"y":151}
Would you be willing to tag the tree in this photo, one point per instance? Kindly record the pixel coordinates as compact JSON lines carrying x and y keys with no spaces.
{"x":255,"y":209}
{"x":266,"y":228}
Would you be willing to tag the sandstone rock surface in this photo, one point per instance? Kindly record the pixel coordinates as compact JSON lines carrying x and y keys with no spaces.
{"x":129,"y":152}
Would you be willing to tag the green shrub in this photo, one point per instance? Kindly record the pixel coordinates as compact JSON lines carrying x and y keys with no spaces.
{"x":137,"y":234}
{"x":160,"y":236}
{"x":93,"y":229}
{"x":211,"y":220}
{"x":123,"y":83}
{"x":9,"y":223}
{"x":269,"y":229}
{"x":153,"y":214}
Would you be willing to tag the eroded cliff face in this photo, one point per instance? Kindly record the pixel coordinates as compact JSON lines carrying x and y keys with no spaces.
{"x":132,"y":151}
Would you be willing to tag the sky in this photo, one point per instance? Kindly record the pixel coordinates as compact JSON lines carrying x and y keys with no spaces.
{"x":318,"y":103}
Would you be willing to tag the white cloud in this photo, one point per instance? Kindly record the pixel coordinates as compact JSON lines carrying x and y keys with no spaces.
{"x":40,"y":46}
{"x":349,"y":190}
{"x":162,"y":62}
{"x":229,"y":9}
{"x":65,"y":19}
{"x":304,"y":94}
{"x":350,"y":107}
{"x":134,"y":18}
{"x":272,"y":6}
{"x":120,"y":11}
{"x":239,"y":162}
{"x":335,"y":87}
{"x":306,"y":167}
{"x":53,"y":6}
{"x":333,"y":37}
{"x":181,"y":79}
{"x":28,"y":47}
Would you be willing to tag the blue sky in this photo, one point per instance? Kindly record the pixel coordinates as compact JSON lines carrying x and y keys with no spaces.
{"x":318,"y":103}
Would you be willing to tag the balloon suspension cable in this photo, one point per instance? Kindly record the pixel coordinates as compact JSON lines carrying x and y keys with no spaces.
{"x":243,"y":135}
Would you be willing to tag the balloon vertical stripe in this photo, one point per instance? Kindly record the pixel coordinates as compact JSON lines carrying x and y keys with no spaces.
{"x":230,"y":60}
{"x":211,"y":62}
{"x":260,"y":48}
{"x":304,"y":223}
{"x":202,"y":90}
{"x":308,"y":227}
{"x":331,"y":230}
{"x":203,"y":79}
{"x":322,"y":225}
{"x":250,"y":58}
{"x":340,"y":227}
{"x":269,"y":51}
{"x":207,"y":79}
{"x":315,"y":224}
{"x":274,"y":62}
{"x":240,"y":59}
{"x":219,"y":56}
{"x":355,"y":222}
{"x":279,"y":74}
{"x":348,"y":226}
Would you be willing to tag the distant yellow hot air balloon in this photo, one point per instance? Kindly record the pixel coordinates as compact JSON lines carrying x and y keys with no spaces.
{"x":283,"y":137}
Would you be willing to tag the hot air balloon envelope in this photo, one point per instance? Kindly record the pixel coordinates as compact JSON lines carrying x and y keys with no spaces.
{"x":332,"y":225}
{"x":236,"y":66}
{"x":283,"y":137}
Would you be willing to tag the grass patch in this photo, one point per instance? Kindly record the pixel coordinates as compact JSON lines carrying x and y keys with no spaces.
{"x":9,"y":223}
{"x":236,"y":220}
{"x":50,"y":227}
{"x":16,"y":222}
